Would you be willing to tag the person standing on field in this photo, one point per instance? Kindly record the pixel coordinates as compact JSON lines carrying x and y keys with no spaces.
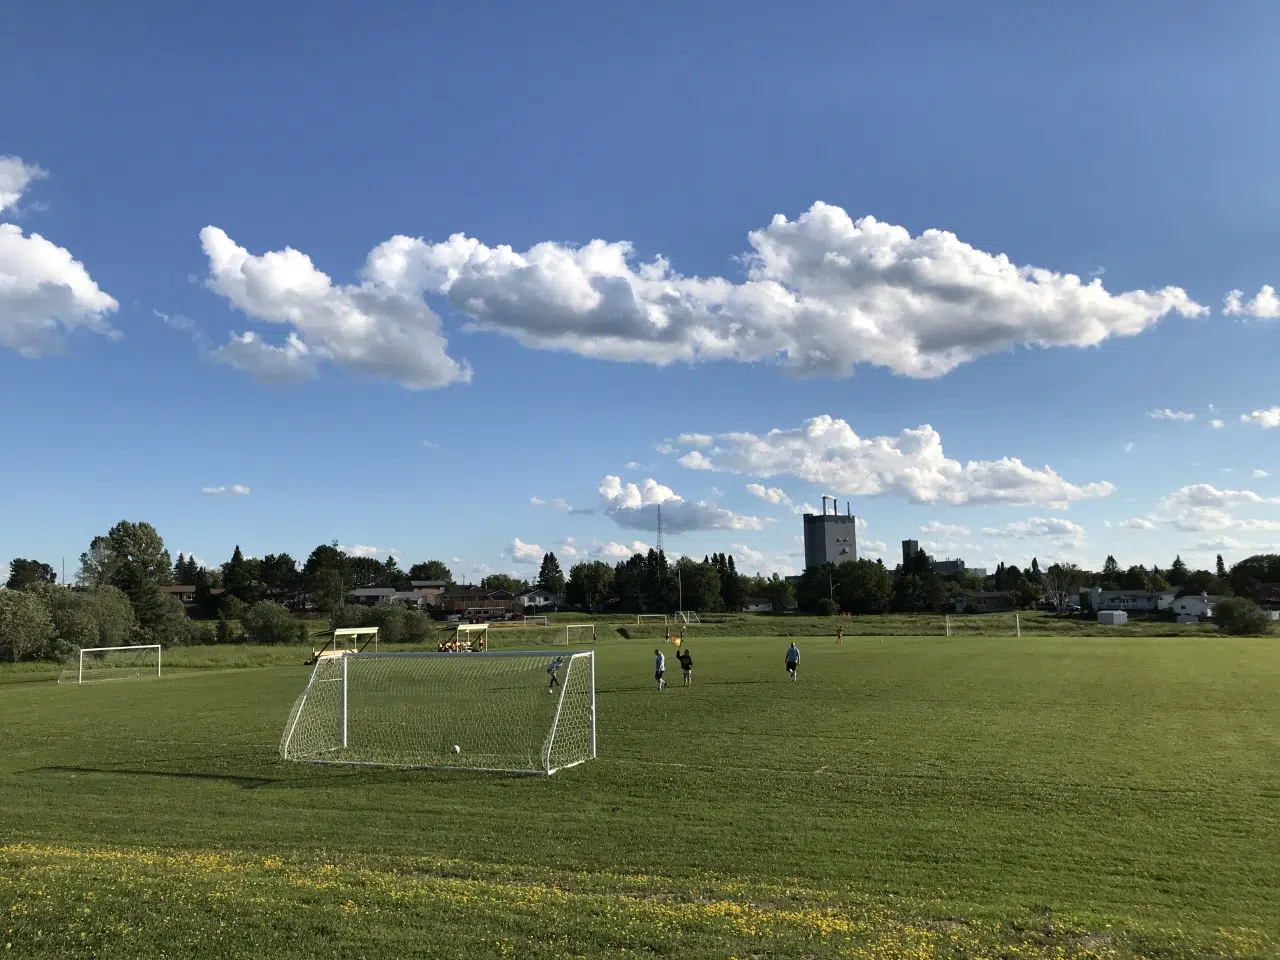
{"x":660,"y":669}
{"x":839,"y":634}
{"x":686,"y":665}
{"x":793,"y":660}
{"x":552,"y":670}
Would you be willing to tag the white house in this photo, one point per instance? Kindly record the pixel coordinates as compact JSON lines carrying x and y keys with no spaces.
{"x":1200,"y":607}
{"x":757,"y":605}
{"x":538,"y":599}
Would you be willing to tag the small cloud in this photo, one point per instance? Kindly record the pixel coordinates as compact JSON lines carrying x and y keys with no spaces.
{"x":429,"y":445}
{"x":772,"y":494}
{"x":1137,"y":523}
{"x":177,"y":321}
{"x":935,"y":528}
{"x":235,"y":490}
{"x":635,"y":465}
{"x":609,"y":550}
{"x":1260,"y":474}
{"x":1267,"y":419}
{"x":717,"y":492}
{"x":522,"y":552}
{"x":1128,"y":447}
{"x":1217,"y":424}
{"x":872,"y":548}
{"x":1264,"y":306}
{"x":745,"y":556}
{"x":1213,"y":408}
{"x":1167,"y":414}
{"x":364,"y":550}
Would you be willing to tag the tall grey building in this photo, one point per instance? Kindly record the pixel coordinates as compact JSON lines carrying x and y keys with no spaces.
{"x":830,"y":537}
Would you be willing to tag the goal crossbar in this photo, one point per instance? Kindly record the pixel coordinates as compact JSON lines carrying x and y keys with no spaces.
{"x":131,"y":661}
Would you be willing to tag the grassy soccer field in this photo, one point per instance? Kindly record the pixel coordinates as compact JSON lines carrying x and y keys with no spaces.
{"x":907,"y":798}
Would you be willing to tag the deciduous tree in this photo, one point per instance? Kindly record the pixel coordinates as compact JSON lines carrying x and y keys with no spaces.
{"x":589,"y":584}
{"x":431,"y":570}
{"x":26,"y":628}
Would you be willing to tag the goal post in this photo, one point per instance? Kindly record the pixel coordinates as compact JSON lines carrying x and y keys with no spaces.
{"x":643,"y":617}
{"x":90,"y":664}
{"x":577,"y":633}
{"x":688,"y":616}
{"x":498,"y":712}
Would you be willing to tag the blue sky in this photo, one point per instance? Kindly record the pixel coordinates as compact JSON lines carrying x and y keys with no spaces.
{"x":397,"y":273}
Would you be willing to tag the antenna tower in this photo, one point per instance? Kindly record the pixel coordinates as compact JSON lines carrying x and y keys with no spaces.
{"x":659,"y":528}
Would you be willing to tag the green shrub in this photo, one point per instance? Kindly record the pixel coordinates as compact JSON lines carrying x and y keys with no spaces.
{"x":828,"y":607}
{"x":1240,"y":617}
{"x":270,"y":622}
{"x":26,"y":628}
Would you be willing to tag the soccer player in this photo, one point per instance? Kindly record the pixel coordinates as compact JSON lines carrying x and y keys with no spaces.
{"x":552,"y":671}
{"x":659,"y":669}
{"x":793,"y":660}
{"x":686,"y":665}
{"x":839,"y":634}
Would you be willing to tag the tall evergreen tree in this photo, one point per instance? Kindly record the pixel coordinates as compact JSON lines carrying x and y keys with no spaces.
{"x":550,"y":576}
{"x":1222,"y":568}
{"x":732,"y":593}
{"x":236,"y":577}
{"x":1177,"y":574}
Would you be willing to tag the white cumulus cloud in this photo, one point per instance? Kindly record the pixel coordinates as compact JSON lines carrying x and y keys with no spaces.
{"x":522,"y":552}
{"x":1136,"y":523}
{"x":44,"y":290}
{"x":235,"y":490}
{"x":635,"y":507}
{"x":872,"y":548}
{"x":1167,"y":414}
{"x":1260,"y":474}
{"x":1202,"y":507}
{"x":1217,"y":424}
{"x":935,"y":528}
{"x":912,"y":465}
{"x":1062,"y":532}
{"x":366,"y":328}
{"x":745,"y":557}
{"x":821,"y":294}
{"x":610,"y":550}
{"x":1265,"y":305}
{"x":772,"y":494}
{"x":1268,"y":419}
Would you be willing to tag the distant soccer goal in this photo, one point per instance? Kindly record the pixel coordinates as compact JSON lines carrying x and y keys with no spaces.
{"x":499,"y":711}
{"x":688,"y":616}
{"x":644,"y":617}
{"x":359,"y":638}
{"x":577,"y":633}
{"x":111,"y":663}
{"x":533,"y":621}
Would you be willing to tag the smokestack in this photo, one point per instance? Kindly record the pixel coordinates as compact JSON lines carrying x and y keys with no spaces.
{"x":824,"y":504}
{"x":848,"y":508}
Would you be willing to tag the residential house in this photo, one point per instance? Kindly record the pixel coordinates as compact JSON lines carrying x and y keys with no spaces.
{"x":187,"y":593}
{"x":372,"y":596}
{"x":1130,"y":601}
{"x":539,"y":599}
{"x":757,"y":605}
{"x":477,"y":601}
{"x":1194,"y":606}
{"x":429,"y":591}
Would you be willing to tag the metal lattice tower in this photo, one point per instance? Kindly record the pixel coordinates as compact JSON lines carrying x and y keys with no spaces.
{"x":659,"y":544}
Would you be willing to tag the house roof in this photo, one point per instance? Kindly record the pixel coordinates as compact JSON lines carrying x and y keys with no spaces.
{"x":373,"y":592}
{"x":429,"y":584}
{"x":178,"y":588}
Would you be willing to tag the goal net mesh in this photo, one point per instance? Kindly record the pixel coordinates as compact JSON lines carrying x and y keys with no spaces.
{"x":110,"y":663}
{"x":413,"y":709}
{"x":577,"y":633}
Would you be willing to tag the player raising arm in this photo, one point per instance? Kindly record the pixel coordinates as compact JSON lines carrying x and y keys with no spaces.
{"x":686,"y":666}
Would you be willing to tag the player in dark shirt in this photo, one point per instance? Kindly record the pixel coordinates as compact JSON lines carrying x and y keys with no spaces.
{"x":686,"y":665}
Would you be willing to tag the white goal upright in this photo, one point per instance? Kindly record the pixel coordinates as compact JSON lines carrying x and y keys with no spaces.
{"x":577,"y":633}
{"x":111,"y":663}
{"x":496,"y":711}
{"x":645,"y":617}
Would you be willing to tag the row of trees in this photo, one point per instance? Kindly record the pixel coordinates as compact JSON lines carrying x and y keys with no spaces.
{"x":650,"y":583}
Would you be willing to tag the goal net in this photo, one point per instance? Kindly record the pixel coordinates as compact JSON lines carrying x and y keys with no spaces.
{"x":578,"y":633}
{"x":688,"y":616}
{"x":651,"y":617}
{"x":498,"y":711}
{"x":111,"y":663}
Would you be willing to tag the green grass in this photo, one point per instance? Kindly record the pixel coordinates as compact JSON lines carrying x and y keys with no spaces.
{"x":972,"y":797}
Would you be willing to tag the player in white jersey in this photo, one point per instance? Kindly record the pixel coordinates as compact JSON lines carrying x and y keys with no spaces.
{"x":659,"y":669}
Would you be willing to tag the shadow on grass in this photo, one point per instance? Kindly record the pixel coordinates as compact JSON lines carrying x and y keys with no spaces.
{"x":309,"y":776}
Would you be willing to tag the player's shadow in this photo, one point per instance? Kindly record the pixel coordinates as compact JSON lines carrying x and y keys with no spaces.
{"x":246,"y":781}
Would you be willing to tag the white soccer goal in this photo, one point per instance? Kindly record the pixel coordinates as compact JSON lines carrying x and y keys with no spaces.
{"x":496,"y":711}
{"x":533,"y":622}
{"x":578,"y":633}
{"x":688,"y":616}
{"x":642,"y":617}
{"x":111,"y":663}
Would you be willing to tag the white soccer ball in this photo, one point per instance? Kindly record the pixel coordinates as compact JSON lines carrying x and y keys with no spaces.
{"x":456,"y":749}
